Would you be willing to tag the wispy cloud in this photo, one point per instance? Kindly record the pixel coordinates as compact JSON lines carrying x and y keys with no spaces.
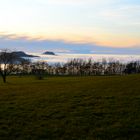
{"x":123,"y":15}
{"x":101,"y":22}
{"x":58,"y":46}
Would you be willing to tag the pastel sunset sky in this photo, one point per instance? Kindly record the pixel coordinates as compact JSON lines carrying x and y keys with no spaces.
{"x":29,"y":24}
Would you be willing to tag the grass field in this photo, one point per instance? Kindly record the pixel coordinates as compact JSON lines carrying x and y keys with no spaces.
{"x":70,"y":108}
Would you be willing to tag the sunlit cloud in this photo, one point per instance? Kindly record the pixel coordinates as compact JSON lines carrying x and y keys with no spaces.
{"x":127,"y":15}
{"x":27,"y":44}
{"x":115,"y":42}
{"x":97,"y":22}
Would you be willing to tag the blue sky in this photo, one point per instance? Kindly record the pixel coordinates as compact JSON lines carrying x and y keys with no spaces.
{"x":88,"y":23}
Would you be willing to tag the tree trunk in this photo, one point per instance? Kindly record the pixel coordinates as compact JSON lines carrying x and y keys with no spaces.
{"x":4,"y":78}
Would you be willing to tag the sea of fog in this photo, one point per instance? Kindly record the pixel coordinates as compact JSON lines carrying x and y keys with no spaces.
{"x":62,"y":58}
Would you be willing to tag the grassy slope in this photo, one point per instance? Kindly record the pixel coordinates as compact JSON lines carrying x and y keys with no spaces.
{"x":67,"y":108}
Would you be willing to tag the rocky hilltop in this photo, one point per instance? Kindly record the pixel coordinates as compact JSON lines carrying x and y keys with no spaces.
{"x":23,"y":54}
{"x":49,"y":53}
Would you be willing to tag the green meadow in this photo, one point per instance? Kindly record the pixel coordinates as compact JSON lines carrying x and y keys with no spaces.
{"x":70,"y":108}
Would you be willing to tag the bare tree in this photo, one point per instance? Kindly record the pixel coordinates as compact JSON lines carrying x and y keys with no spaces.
{"x":7,"y":63}
{"x":25,"y":67}
{"x":39,"y":69}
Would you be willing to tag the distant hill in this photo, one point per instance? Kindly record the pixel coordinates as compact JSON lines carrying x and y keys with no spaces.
{"x":23,"y":54}
{"x":49,"y":53}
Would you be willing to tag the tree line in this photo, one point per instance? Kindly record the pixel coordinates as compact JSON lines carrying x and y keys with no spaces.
{"x":11,"y":64}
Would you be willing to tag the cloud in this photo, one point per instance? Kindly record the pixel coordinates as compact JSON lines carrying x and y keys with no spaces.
{"x":62,"y":1}
{"x":39,"y":46}
{"x":124,"y":15}
{"x":73,"y":2}
{"x":102,"y":22}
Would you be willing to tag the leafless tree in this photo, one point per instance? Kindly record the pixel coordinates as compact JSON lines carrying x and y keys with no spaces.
{"x":7,"y":63}
{"x":39,"y":69}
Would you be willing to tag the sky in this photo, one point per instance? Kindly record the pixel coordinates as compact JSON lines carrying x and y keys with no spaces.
{"x":71,"y":25}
